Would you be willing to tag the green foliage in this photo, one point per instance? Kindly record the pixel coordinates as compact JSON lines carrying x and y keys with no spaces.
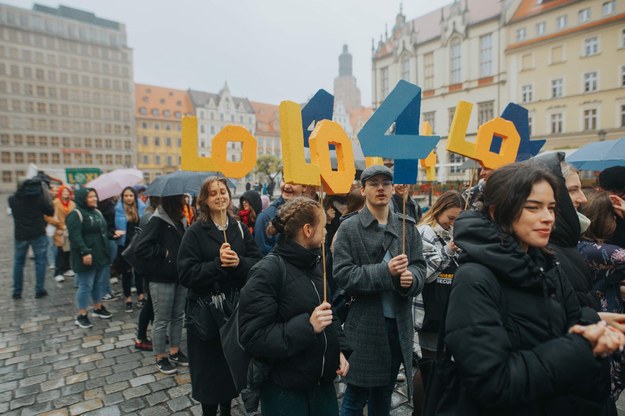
{"x":268,"y":165}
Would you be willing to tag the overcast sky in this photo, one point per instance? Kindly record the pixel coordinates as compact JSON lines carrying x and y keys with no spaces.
{"x":267,"y":50}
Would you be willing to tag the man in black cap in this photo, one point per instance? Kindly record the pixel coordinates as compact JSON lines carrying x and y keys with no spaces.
{"x":369,"y":264}
{"x":612,"y":180}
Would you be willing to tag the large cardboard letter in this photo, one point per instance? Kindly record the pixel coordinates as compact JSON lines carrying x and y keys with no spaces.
{"x":190,"y":160}
{"x":510,"y":143}
{"x":429,"y":163}
{"x":328,"y":133}
{"x":296,"y":169}
{"x":320,"y":107}
{"x":456,"y":142}
{"x":518,"y":115}
{"x":406,"y":146}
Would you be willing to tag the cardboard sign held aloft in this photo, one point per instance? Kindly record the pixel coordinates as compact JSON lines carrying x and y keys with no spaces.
{"x":405,"y":146}
{"x":295,"y":167}
{"x":319,"y":107}
{"x":325,"y":134}
{"x":218,"y":161}
{"x":429,"y":163}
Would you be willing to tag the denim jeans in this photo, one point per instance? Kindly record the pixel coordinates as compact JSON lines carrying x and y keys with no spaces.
{"x":51,"y":254}
{"x":168,"y":300}
{"x":377,"y":399}
{"x":90,"y":286}
{"x":113,"y":253}
{"x":40,"y":247}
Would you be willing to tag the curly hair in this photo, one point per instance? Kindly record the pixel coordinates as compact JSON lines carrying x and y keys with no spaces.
{"x":293,"y":215}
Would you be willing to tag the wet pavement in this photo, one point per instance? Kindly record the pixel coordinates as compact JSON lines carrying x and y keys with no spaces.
{"x":49,"y":366}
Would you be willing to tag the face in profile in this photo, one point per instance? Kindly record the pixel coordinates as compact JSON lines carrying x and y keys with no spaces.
{"x":92,"y":199}
{"x":534,"y":225}
{"x":574,"y":187}
{"x":319,"y":231}
{"x":447,"y":218}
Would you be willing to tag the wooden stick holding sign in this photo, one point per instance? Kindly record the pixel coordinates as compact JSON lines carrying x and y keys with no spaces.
{"x":323,"y":250}
{"x":403,"y":223}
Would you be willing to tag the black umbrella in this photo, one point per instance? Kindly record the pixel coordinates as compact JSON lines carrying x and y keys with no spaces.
{"x":181,"y":182}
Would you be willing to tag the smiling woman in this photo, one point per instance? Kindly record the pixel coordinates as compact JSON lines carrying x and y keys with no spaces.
{"x":509,"y":294}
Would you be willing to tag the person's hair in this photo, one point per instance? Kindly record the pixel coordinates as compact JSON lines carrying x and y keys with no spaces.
{"x":202,"y":199}
{"x":568,"y":169}
{"x":355,"y":200}
{"x":508,"y":188}
{"x":450,"y":199}
{"x":293,"y":215}
{"x":173,"y":206}
{"x":132,"y":211}
{"x":600,"y":212}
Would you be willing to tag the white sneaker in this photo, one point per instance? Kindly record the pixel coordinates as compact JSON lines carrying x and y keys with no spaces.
{"x":69,"y":273}
{"x":59,"y":278}
{"x":114,"y":280}
{"x":401,"y":377}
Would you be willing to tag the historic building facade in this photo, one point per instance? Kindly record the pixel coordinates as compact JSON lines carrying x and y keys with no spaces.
{"x":158,"y":113}
{"x":66,"y":92}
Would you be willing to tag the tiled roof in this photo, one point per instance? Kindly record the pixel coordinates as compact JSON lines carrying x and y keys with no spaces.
{"x":267,"y":118}
{"x":166,"y":101}
{"x":428,"y":26}
{"x":529,"y":8}
{"x":202,"y":99}
{"x":358,"y":117}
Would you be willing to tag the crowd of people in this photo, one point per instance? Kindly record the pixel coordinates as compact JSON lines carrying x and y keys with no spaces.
{"x":520,"y":279}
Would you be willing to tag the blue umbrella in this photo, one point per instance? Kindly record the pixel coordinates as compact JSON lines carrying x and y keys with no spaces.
{"x":181,"y":182}
{"x":599,"y":155}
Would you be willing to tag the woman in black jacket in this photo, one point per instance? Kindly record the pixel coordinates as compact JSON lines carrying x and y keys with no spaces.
{"x":511,"y":321}
{"x":285,"y":321}
{"x":158,"y":246}
{"x":216,"y":253}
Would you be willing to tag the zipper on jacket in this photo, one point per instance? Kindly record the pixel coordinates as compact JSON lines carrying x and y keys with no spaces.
{"x":325,"y":338}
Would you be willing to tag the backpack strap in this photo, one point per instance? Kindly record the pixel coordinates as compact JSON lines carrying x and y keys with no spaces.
{"x":281,"y":267}
{"x":79,"y":214}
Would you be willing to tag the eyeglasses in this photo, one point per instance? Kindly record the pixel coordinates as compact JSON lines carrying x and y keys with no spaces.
{"x":376,"y":184}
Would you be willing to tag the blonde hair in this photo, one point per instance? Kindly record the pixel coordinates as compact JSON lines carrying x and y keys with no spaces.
{"x":293,"y":215}
{"x":450,"y":199}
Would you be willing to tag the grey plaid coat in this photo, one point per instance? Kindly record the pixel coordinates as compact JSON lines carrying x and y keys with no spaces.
{"x":359,"y":247}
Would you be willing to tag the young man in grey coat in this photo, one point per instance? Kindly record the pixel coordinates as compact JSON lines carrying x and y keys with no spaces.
{"x":370,"y":266}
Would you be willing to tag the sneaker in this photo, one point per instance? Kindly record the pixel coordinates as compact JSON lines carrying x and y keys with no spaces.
{"x":133,"y":289}
{"x":108,"y":297}
{"x":179,"y":358}
{"x":128,"y":307}
{"x":141,"y":302}
{"x":165,"y":366}
{"x":83,"y":321}
{"x":69,"y":273}
{"x":59,"y":278}
{"x":401,"y":377}
{"x":52,"y":267}
{"x":143,"y":345}
{"x":114,"y":280}
{"x":102,"y":313}
{"x":41,"y":294}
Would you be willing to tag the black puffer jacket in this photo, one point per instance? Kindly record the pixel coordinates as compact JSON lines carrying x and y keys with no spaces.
{"x":274,"y":319}
{"x":158,"y":246}
{"x":566,"y":235}
{"x":507,"y":327}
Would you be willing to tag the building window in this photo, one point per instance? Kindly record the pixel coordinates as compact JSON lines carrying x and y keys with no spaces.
{"x":623,"y":76}
{"x":7,"y":176}
{"x":157,"y":141}
{"x":584,"y":15}
{"x":405,"y":68}
{"x":622,"y":115}
{"x":521,"y":34}
{"x":451,"y":111}
{"x":623,"y":38}
{"x":530,"y":121}
{"x":541,"y":28}
{"x":430,"y":117}
{"x":155,"y":112}
{"x":144,"y":141}
{"x":145,"y":159}
{"x":556,"y":87}
{"x":486,"y":55}
{"x":561,"y":22}
{"x":6,"y":157}
{"x":609,"y":7}
{"x":590,"y":82}
{"x":590,"y":119}
{"x":385,"y":82}
{"x":428,"y":71}
{"x":485,"y":112}
{"x":143,"y":110}
{"x":591,"y":46}
{"x":527,"y":93}
{"x":556,"y":123}
{"x":455,"y":58}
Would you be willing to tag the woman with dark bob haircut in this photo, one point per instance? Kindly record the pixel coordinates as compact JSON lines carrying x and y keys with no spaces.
{"x":513,"y":323}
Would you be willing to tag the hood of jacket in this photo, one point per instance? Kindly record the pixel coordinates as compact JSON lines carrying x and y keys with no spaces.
{"x":160,"y":213}
{"x":80,"y":197}
{"x":567,"y":229}
{"x":297,"y":255}
{"x":254,"y":200}
{"x":483,"y":242}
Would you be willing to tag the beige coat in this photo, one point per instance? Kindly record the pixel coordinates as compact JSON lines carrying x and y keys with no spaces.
{"x":58,"y":220}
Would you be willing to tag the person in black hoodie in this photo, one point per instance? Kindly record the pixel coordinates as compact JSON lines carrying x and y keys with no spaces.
{"x":514,"y":325}
{"x":215,"y":255}
{"x":283,"y":318}
{"x":250,"y":206}
{"x":28,"y":206}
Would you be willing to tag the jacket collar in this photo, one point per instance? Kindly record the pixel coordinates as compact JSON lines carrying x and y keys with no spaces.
{"x":160,"y":213}
{"x":393,"y":225}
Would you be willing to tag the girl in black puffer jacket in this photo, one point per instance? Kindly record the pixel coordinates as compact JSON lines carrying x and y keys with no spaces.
{"x":284,"y":320}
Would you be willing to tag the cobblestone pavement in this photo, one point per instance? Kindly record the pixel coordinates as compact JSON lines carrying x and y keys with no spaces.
{"x":50,"y":366}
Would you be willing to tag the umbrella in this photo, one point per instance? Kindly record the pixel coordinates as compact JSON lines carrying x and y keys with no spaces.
{"x":113,"y":183}
{"x":599,"y":155}
{"x":181,"y":182}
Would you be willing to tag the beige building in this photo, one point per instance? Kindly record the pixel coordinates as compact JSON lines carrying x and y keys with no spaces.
{"x":566,"y":65}
{"x":66,"y":92}
{"x":158,"y":113}
{"x":453,"y":54}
